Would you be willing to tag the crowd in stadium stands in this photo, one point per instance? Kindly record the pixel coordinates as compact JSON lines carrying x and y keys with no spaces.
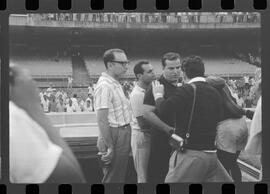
{"x":242,"y":91}
{"x":64,"y":100}
{"x":185,"y":17}
{"x":249,"y":57}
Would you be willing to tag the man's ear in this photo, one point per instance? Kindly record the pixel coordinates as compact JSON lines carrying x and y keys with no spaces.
{"x":139,"y":76}
{"x":109,"y":65}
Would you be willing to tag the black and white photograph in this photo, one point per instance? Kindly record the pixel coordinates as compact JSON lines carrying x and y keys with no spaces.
{"x":164,"y":97}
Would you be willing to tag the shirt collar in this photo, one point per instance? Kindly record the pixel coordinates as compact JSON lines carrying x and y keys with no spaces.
{"x":106,"y":75}
{"x":140,"y":88}
{"x":197,"y":79}
{"x":163,"y":80}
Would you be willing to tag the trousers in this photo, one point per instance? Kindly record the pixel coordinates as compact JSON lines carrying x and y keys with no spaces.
{"x":196,"y":166}
{"x":116,"y":171}
{"x":141,"y":146}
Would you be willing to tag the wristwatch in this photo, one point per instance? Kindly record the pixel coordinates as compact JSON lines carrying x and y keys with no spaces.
{"x":171,"y":132}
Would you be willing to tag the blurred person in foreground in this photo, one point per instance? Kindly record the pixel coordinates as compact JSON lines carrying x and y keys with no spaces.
{"x":198,"y":108}
{"x":254,"y":144}
{"x":37,"y":153}
{"x":113,"y":117}
{"x":141,"y":134}
{"x":160,"y":148}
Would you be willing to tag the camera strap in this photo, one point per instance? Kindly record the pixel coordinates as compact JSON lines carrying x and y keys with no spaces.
{"x":191,"y":114}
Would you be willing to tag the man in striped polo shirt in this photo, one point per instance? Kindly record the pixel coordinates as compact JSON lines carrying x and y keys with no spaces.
{"x":113,"y":117}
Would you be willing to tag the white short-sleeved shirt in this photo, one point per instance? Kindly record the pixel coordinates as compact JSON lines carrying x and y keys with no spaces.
{"x":108,"y":94}
{"x":137,"y":106}
{"x":33,"y":157}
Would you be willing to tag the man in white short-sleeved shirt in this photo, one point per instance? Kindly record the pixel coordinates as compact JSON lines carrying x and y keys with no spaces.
{"x":141,"y":137}
{"x":113,"y":117}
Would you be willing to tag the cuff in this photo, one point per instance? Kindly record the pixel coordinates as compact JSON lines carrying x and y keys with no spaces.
{"x":158,"y":95}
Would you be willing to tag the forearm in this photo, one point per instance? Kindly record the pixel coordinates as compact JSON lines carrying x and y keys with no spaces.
{"x":153,"y":119}
{"x":158,"y":102}
{"x":105,"y":131}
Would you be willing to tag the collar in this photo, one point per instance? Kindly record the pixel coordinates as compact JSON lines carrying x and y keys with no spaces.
{"x":197,"y":79}
{"x":163,"y":80}
{"x":140,"y":88}
{"x":106,"y":75}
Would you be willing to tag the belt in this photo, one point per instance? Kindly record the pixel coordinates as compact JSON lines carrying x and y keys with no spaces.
{"x":124,"y":126}
{"x":141,"y":130}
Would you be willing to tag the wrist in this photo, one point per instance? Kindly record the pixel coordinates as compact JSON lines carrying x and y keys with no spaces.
{"x":158,"y":95}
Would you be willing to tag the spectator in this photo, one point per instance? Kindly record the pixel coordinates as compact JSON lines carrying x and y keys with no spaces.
{"x":70,"y":81}
{"x":81,"y":104}
{"x":60,"y":107}
{"x":45,"y":104}
{"x":240,"y":101}
{"x":88,"y":106}
{"x":75,"y":103}
{"x":90,"y":98}
{"x":52,"y":104}
{"x":70,"y":106}
{"x":90,"y":89}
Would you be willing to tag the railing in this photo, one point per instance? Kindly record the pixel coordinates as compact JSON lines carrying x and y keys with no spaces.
{"x":135,"y":20}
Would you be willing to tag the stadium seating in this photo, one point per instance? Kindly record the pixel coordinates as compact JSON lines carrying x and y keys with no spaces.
{"x":41,"y":64}
{"x":222,"y":66}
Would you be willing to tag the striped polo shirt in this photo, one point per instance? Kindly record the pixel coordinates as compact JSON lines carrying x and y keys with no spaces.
{"x":108,"y":94}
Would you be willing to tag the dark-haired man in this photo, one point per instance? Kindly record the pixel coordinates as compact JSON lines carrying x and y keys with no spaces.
{"x":113,"y":117}
{"x":160,"y":149}
{"x":198,"y":163}
{"x":141,"y":137}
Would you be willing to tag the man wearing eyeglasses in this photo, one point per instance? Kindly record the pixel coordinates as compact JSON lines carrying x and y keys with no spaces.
{"x":113,"y":116}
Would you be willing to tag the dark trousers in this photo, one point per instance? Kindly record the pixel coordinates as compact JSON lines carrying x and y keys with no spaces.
{"x":158,"y":165}
{"x":229,"y":161}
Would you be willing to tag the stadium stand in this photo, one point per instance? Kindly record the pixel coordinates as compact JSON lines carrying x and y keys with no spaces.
{"x":42,"y":65}
{"x":214,"y":65}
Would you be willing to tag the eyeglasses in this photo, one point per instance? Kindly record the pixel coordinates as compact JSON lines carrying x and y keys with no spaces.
{"x":123,"y":63}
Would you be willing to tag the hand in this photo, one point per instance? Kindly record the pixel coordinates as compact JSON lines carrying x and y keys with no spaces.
{"x":157,"y":89}
{"x":176,"y":141}
{"x":108,"y":156}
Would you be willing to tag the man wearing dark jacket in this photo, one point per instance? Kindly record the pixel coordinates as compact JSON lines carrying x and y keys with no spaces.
{"x":198,"y":163}
{"x":160,"y":149}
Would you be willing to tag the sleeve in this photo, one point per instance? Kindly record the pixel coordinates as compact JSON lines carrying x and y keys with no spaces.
{"x":136,"y":102}
{"x":33,"y":157}
{"x":171,"y":104}
{"x":149,"y":98}
{"x":102,"y":97}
